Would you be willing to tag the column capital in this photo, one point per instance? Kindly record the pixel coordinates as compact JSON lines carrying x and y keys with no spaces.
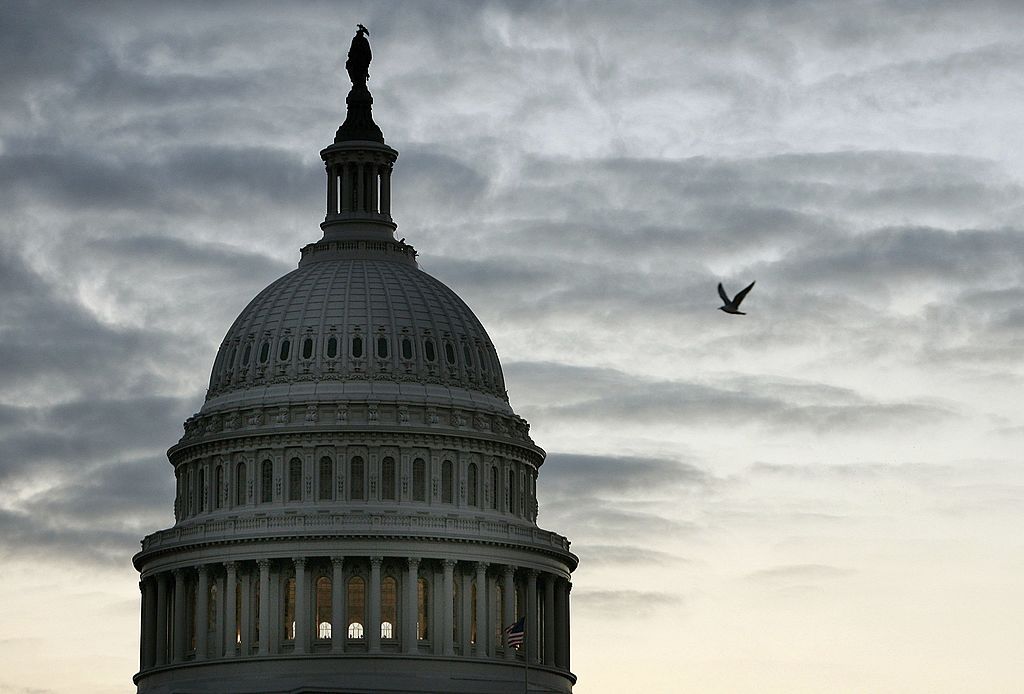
{"x":532,"y":573}
{"x":263,"y":564}
{"x":508,"y":570}
{"x":202,"y":569}
{"x":299,"y":562}
{"x":179,"y":574}
{"x":450,"y":563}
{"x":231,"y":566}
{"x":481,"y":565}
{"x":413,"y":562}
{"x":338,"y":562}
{"x":376,"y":561}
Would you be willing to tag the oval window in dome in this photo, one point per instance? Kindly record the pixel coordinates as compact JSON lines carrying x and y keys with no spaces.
{"x":332,"y":347}
{"x":286,"y":348}
{"x":468,"y":355}
{"x":428,"y":350}
{"x":307,"y":348}
{"x":406,"y":348}
{"x":264,"y":352}
{"x":483,"y":359}
{"x":246,"y":354}
{"x":231,"y":357}
{"x":382,"y":347}
{"x":449,"y":352}
{"x":357,"y":346}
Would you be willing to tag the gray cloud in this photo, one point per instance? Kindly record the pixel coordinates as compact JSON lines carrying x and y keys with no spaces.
{"x":621,"y":602}
{"x":628,"y":555}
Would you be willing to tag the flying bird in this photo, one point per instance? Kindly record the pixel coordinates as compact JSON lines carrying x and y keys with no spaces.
{"x":733,"y":305}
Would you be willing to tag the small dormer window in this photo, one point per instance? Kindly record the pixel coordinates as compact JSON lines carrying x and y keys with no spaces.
{"x":332,"y":347}
{"x":357,"y":347}
{"x":286,"y":348}
{"x":382,"y":347}
{"x":428,"y":350}
{"x":406,"y":348}
{"x":307,"y":348}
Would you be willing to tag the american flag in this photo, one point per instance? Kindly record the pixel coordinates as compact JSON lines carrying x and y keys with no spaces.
{"x":515,"y":633}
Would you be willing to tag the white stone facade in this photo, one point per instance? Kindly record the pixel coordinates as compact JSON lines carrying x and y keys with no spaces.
{"x":356,"y":500}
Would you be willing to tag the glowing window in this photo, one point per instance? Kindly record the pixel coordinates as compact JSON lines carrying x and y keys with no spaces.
{"x":422,"y":613}
{"x":356,"y":604}
{"x":388,"y":607}
{"x":323,"y":607}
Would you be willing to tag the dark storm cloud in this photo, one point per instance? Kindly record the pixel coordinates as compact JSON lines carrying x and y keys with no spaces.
{"x":165,"y":250}
{"x":571,"y":474}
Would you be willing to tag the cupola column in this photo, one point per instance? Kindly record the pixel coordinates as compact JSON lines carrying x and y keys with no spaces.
{"x":230,"y":616}
{"x":532,"y":627}
{"x":301,"y":606}
{"x":202,"y":610}
{"x":161,"y":620}
{"x":549,"y":620}
{"x":448,"y":608}
{"x":179,"y":615}
{"x":264,"y":606}
{"x":372,"y":630}
{"x":411,"y":605}
{"x":339,"y":625}
{"x":481,"y":609}
{"x":508,"y":594}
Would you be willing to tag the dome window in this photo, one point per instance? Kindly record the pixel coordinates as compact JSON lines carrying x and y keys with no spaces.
{"x":468,"y":355}
{"x":332,"y":347}
{"x":449,"y":352}
{"x":307,"y":348}
{"x":246,"y":354}
{"x":264,"y":352}
{"x":357,"y":347}
{"x":382,"y":347}
{"x":419,"y":480}
{"x":406,"y":348}
{"x":428,"y":350}
{"x":483,"y":359}
{"x":286,"y":348}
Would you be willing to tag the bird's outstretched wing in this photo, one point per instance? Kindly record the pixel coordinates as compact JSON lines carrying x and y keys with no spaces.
{"x":721,"y":293}
{"x":742,"y":294}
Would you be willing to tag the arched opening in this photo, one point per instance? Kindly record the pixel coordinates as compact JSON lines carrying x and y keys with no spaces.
{"x":326,"y":479}
{"x":447,"y":482}
{"x":267,"y":482}
{"x":419,"y":480}
{"x":387,"y":479}
{"x":323,"y":607}
{"x":422,"y":610}
{"x":358,"y":479}
{"x":388,"y":607}
{"x":471,"y":483}
{"x":295,"y":480}
{"x":289,"y":609}
{"x":241,"y":483}
{"x":356,"y":606}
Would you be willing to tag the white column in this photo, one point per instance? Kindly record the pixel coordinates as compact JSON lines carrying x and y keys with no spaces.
{"x":549,"y":620}
{"x":230,"y":598}
{"x":161,"y":620}
{"x":264,"y":624}
{"x":339,"y":628}
{"x":179,"y":615}
{"x":448,"y":607}
{"x":481,"y":609}
{"x":301,"y":606}
{"x":202,"y":610}
{"x":411,"y":605}
{"x":532,"y":626}
{"x":372,"y":630}
{"x":508,"y":594}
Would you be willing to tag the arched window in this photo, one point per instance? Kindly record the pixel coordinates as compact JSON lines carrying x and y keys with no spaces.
{"x":267,"y":482}
{"x":382,"y":347}
{"x":510,"y":492}
{"x":326,"y":479}
{"x":286,"y":348}
{"x":357,"y":347}
{"x":406,"y":348}
{"x":447,"y":482}
{"x":264,"y":352}
{"x":218,"y":484}
{"x":190,"y":613}
{"x":295,"y":480}
{"x":471,"y":483}
{"x":323,"y":608}
{"x":422,"y":610}
{"x":289,"y":609}
{"x":332,"y":347}
{"x":240,"y":484}
{"x":428,"y":350}
{"x":522,"y":493}
{"x":307,"y":348}
{"x":494,"y":487}
{"x":358,"y":479}
{"x":190,"y":492}
{"x":498,"y":609}
{"x":387,"y":479}
{"x":356,"y":605}
{"x":456,"y":606}
{"x":419,"y":480}
{"x":201,"y":489}
{"x":388,"y":607}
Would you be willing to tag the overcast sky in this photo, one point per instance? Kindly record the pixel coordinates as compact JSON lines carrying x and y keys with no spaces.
{"x":825,"y":495}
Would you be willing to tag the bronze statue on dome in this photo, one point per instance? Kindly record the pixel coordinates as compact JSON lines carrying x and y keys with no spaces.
{"x":359,"y":57}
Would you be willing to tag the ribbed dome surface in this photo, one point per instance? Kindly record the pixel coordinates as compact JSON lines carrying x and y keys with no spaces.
{"x":357,"y":319}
